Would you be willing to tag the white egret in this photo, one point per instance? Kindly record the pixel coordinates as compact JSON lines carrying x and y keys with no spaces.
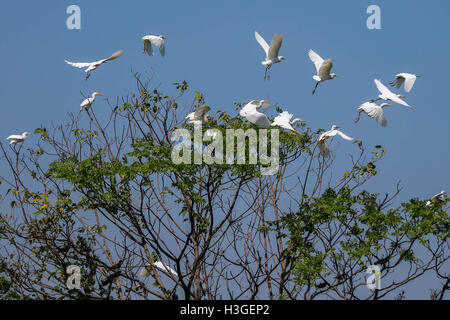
{"x":145,"y":272}
{"x":321,"y":142}
{"x":263,"y":104}
{"x":15,"y":138}
{"x":387,"y":94}
{"x":89,"y":101}
{"x":441,"y":196}
{"x":323,"y":68}
{"x":91,"y":66}
{"x":374,"y":111}
{"x":283,"y":120}
{"x":157,"y":41}
{"x":271,"y":51}
{"x":197,"y":117}
{"x":407,"y":78}
{"x":251,"y":113}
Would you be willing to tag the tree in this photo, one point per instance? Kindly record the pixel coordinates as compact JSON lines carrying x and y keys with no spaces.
{"x":102,"y":193}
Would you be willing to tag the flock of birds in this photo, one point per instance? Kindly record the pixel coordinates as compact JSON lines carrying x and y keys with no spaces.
{"x":252,"y":110}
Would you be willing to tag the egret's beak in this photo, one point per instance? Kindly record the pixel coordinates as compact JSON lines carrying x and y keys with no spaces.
{"x":100,"y":94}
{"x":337,"y":76}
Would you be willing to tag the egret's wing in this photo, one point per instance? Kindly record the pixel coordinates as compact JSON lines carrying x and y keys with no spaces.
{"x":258,"y":118}
{"x":159,"y":42}
{"x":399,"y":79}
{"x":382,"y":88}
{"x":316,"y":59}
{"x":147,"y":45}
{"x":198,"y":114}
{"x":283,"y":120}
{"x":323,"y":146}
{"x":400,"y":101}
{"x":409,"y":81}
{"x":115,"y":55}
{"x":377,"y":113}
{"x":190,"y":116}
{"x":164,"y":267}
{"x":275,"y":45}
{"x":248,"y":108}
{"x":79,"y":64}
{"x":325,"y":69}
{"x":343,"y":135}
{"x":14,"y":137}
{"x":262,"y":43}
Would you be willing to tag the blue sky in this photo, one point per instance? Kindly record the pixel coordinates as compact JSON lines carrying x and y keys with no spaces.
{"x":210,"y":44}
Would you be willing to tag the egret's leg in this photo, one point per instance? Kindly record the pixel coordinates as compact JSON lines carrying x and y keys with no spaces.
{"x":359,"y":116}
{"x":315,"y":88}
{"x":268,"y":72}
{"x":373,"y":100}
{"x":88,"y":75}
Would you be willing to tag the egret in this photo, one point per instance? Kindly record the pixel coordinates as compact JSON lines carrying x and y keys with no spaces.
{"x":91,"y":66}
{"x":15,"y":138}
{"x":263,"y":104}
{"x":374,"y":111}
{"x":145,"y":272}
{"x":441,"y":196}
{"x":251,"y":113}
{"x":283,"y":120}
{"x":323,"y":68}
{"x":321,"y":142}
{"x":198,"y":116}
{"x":89,"y":101}
{"x":157,"y":41}
{"x":386,"y":94}
{"x":407,"y":78}
{"x":272,"y":56}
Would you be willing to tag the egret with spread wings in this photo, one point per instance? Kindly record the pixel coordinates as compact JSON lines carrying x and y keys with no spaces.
{"x":91,"y":66}
{"x":323,"y":68}
{"x":271,"y":51}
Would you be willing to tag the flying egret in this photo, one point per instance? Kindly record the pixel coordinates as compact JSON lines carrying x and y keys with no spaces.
{"x":91,"y":66}
{"x":198,"y":116}
{"x":387,"y":94}
{"x":145,"y":272}
{"x":321,"y":142}
{"x":441,"y":196}
{"x":272,"y":56}
{"x":374,"y":111}
{"x":15,"y":138}
{"x":323,"y":68}
{"x":407,"y":78}
{"x":283,"y":120}
{"x":251,"y":113}
{"x":263,"y":104}
{"x":157,"y":41}
{"x":89,"y":101}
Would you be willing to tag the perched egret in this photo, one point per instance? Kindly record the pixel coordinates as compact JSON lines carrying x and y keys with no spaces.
{"x":321,"y":142}
{"x":89,"y":101}
{"x":386,"y":94}
{"x":441,"y":196}
{"x":374,"y":111}
{"x":145,"y":272}
{"x":272,"y":56}
{"x":197,"y":117}
{"x":263,"y":104}
{"x":283,"y":120}
{"x":157,"y":41}
{"x":251,"y":113}
{"x":407,"y":78}
{"x":91,"y":66}
{"x":18,"y":137}
{"x":323,"y":68}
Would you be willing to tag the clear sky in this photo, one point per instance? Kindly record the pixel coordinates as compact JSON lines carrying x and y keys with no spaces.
{"x":211,"y":45}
